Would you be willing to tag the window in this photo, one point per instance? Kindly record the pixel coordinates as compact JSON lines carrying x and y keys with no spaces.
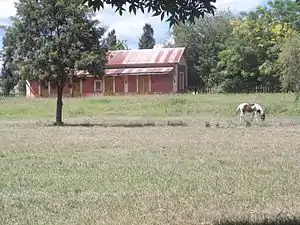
{"x":98,"y":86}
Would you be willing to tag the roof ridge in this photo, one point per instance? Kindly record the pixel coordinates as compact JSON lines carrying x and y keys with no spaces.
{"x":146,"y":49}
{"x":146,"y":56}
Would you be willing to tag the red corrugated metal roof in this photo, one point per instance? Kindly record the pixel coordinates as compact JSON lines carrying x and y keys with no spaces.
{"x":145,"y":56}
{"x":81,"y":72}
{"x":132,"y":71}
{"x":136,"y":71}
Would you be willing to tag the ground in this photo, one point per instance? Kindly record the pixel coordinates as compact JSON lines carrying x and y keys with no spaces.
{"x":148,"y":160}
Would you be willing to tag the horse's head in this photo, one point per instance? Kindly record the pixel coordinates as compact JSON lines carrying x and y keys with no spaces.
{"x":263,"y":116}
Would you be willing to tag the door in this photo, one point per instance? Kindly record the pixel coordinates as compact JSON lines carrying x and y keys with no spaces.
{"x":44,"y":89}
{"x":143,"y":84}
{"x":109,"y":83}
{"x":76,"y":89}
{"x":119,"y":85}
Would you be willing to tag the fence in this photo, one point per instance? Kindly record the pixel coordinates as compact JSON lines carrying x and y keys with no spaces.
{"x":267,"y":89}
{"x":256,"y":89}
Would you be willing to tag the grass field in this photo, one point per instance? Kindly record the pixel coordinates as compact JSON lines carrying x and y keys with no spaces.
{"x":147,"y":106}
{"x":175,"y":171}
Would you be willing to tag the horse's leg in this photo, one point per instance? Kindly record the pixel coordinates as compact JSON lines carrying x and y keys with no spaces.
{"x":252,"y":116}
{"x":256,"y":119}
{"x":242,"y":116}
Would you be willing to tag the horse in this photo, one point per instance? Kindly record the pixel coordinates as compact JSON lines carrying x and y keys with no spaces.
{"x":252,"y":108}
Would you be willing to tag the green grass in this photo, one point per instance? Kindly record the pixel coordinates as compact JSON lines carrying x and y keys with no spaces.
{"x":149,"y":174}
{"x":151,"y":106}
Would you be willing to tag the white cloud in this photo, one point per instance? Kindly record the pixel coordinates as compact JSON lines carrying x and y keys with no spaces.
{"x":238,"y":5}
{"x":129,"y":26}
{"x":7,"y":8}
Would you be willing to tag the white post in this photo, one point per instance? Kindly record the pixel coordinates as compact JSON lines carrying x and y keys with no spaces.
{"x":81,"y":87}
{"x":150,"y":87}
{"x":125,"y":84}
{"x":114,"y":84}
{"x":175,"y":79}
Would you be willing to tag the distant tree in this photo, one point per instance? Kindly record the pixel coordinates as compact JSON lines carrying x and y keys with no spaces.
{"x":169,"y":42}
{"x":147,"y":40}
{"x":113,"y":43}
{"x":111,"y":39}
{"x":176,"y":11}
{"x":122,"y":45}
{"x":289,"y":58}
{"x":55,"y":38}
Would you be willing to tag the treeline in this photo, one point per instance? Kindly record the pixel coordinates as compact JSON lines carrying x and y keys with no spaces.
{"x":237,"y":53}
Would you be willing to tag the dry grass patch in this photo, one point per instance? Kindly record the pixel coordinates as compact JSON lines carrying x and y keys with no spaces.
{"x":153,"y":175}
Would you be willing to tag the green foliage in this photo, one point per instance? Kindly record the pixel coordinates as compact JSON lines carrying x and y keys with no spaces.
{"x":22,"y":86}
{"x":186,"y":105}
{"x":122,"y":45}
{"x":54,"y":38}
{"x":176,"y":11}
{"x":252,"y":51}
{"x":203,"y":40}
{"x":238,"y":53}
{"x":286,"y":11}
{"x":111,"y":39}
{"x":9,"y":70}
{"x":113,"y":43}
{"x":289,"y":59}
{"x":147,"y":40}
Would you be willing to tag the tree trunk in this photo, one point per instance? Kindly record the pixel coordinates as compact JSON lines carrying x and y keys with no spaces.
{"x":297,"y":94}
{"x":59,"y":105}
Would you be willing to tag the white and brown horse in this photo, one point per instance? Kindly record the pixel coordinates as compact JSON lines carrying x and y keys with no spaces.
{"x":252,"y":108}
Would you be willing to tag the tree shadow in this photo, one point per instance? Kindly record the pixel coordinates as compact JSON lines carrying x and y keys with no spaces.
{"x":124,"y":124}
{"x":266,"y":221}
{"x":107,"y":125}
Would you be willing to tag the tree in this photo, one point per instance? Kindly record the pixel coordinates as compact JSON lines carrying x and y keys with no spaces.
{"x":169,"y":42}
{"x":147,"y":40}
{"x":122,"y":45}
{"x":176,"y":11}
{"x":113,"y":43}
{"x":251,"y":53}
{"x":9,"y":70}
{"x":54,"y":39}
{"x":285,"y":11}
{"x":111,"y":39}
{"x":236,"y":53}
{"x":203,"y":41}
{"x":289,"y":58}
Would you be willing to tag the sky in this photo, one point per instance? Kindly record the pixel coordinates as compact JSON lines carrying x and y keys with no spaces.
{"x":129,"y":26}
